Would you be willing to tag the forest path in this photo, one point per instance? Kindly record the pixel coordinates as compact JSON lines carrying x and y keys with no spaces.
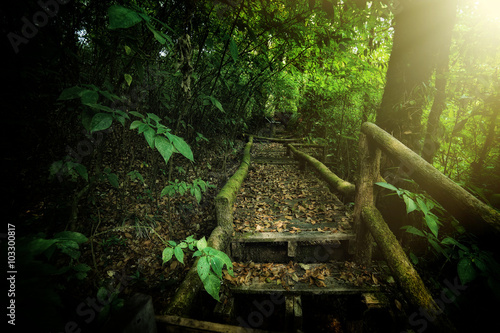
{"x":294,"y":238}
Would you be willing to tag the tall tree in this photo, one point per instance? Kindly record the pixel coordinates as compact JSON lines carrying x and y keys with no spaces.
{"x":419,"y":28}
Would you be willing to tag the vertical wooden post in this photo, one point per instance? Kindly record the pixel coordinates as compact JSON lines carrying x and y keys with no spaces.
{"x":369,"y":168}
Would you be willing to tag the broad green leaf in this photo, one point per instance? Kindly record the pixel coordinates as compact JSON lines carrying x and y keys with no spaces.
{"x":466,"y":271}
{"x":121,"y":17}
{"x":432,"y":223}
{"x":179,"y":254}
{"x":164,"y":147}
{"x":216,"y":264}
{"x":212,"y":285}
{"x":423,"y":207}
{"x":203,"y":267}
{"x":387,"y":186}
{"x":233,"y":49}
{"x":159,"y":36}
{"x":71,"y":235}
{"x":81,"y":267}
{"x":453,"y":241}
{"x":82,"y":171}
{"x":128,"y":79}
{"x":410,"y":204}
{"x":197,"y":253}
{"x":201,"y":244}
{"x":167,"y":190}
{"x":70,"y":248}
{"x":135,"y":124}
{"x":197,"y":193}
{"x":113,"y":179}
{"x":101,"y":121}
{"x":172,"y":243}
{"x":137,"y":114}
{"x":181,"y":146}
{"x":127,"y":49}
{"x":154,"y":117}
{"x":167,"y":254}
{"x":216,"y":103}
{"x":150,"y":136}
{"x":71,"y":93}
{"x":483,"y":266}
{"x":89,"y":96}
{"x":413,"y":230}
{"x":413,"y":258}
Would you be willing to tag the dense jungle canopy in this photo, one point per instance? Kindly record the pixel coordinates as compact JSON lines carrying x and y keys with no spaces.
{"x":100,"y":96}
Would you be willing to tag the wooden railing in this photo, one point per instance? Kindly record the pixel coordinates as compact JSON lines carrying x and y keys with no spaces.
{"x":473,"y":214}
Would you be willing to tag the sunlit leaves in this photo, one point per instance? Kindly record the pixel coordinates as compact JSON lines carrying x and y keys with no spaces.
{"x":121,"y":17}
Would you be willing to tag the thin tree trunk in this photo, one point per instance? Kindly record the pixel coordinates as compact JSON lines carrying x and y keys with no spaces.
{"x":431,"y":143}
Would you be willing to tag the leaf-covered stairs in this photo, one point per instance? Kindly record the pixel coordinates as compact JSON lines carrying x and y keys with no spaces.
{"x":292,"y":246}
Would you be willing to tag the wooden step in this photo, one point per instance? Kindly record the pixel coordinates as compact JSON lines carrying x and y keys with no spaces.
{"x":311,"y":279}
{"x":308,"y":246}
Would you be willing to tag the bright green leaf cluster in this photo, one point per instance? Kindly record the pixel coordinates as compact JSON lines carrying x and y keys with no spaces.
{"x":210,"y":262}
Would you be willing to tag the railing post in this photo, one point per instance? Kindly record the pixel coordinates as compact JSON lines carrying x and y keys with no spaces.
{"x":369,"y":169}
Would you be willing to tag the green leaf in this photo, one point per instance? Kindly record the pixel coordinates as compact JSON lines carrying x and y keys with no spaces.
{"x":432,"y":223}
{"x":71,"y":235}
{"x":413,"y":258}
{"x":179,"y":254}
{"x":423,"y":207}
{"x":453,"y":241}
{"x":216,"y":103}
{"x":82,"y":171}
{"x":413,"y":230}
{"x":70,"y":93}
{"x":201,"y":244}
{"x":465,"y":270}
{"x":135,"y":124}
{"x":137,"y":114}
{"x":410,"y":204}
{"x":89,"y":96}
{"x":70,"y":248}
{"x":113,"y":179}
{"x":150,"y":135}
{"x":164,"y":147}
{"x":216,"y":264}
{"x":101,"y":121}
{"x":154,"y":117}
{"x":159,"y":36}
{"x":197,"y":193}
{"x":172,"y":243}
{"x":167,"y":254}
{"x":121,"y":17}
{"x":387,"y":186}
{"x":128,"y":79}
{"x":233,"y":49}
{"x":212,"y":285}
{"x":181,"y":146}
{"x":203,"y":267}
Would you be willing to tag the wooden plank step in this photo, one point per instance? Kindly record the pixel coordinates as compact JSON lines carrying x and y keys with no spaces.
{"x":335,"y":278}
{"x":180,"y":324}
{"x":303,"y":236}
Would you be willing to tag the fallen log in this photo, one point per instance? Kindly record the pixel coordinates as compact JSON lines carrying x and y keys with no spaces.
{"x":225,"y":199}
{"x":475,"y":216}
{"x":405,"y":274}
{"x":220,"y":237}
{"x":335,"y":182}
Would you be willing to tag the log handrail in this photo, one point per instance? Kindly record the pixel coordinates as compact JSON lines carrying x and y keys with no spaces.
{"x":477,"y":217}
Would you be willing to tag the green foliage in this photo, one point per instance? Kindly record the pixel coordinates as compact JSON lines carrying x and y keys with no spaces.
{"x":196,"y":189}
{"x":210,"y":262}
{"x":472,"y":262}
{"x":158,"y":136}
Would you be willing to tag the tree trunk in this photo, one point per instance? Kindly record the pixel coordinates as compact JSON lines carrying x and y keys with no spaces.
{"x":417,"y":37}
{"x":431,"y":143}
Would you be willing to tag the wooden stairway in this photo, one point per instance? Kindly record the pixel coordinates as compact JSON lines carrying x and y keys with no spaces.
{"x":291,"y":262}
